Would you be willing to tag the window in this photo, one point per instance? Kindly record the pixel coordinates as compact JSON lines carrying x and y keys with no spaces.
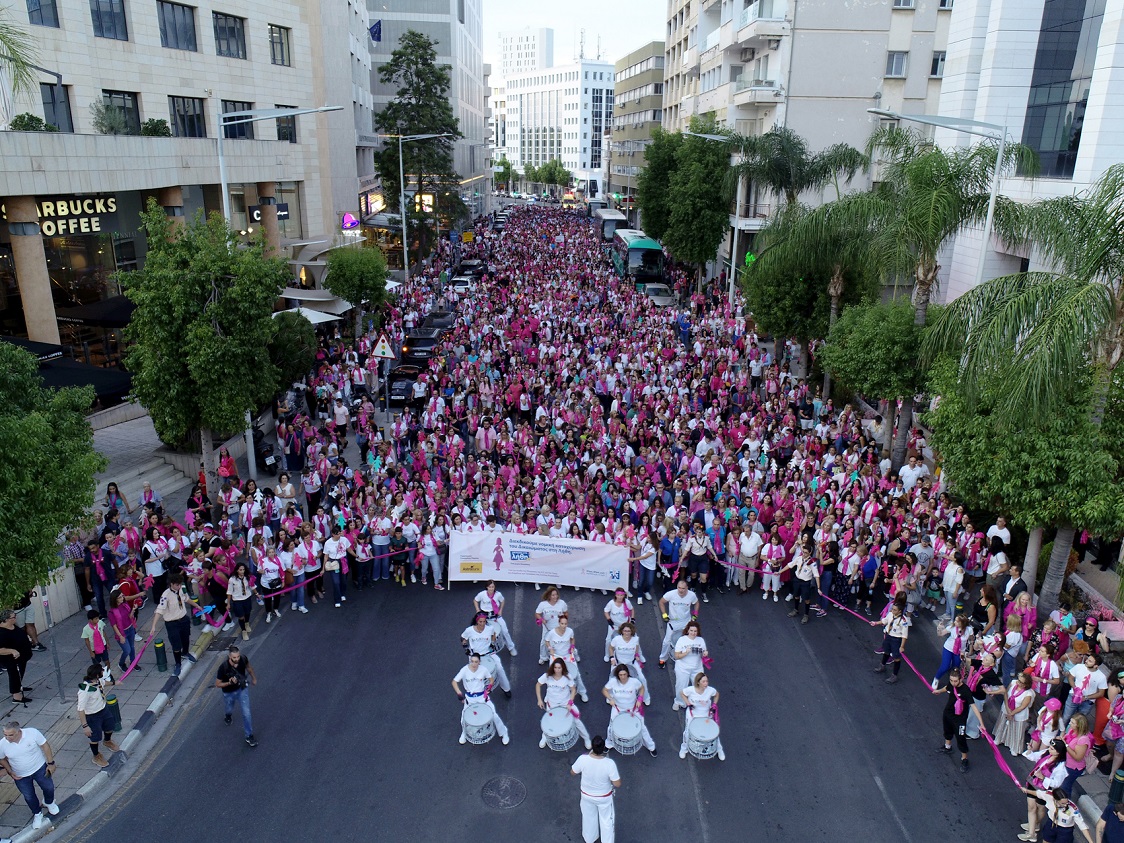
{"x":896,"y":64}
{"x":279,"y":51}
{"x":286,"y":126}
{"x":126,"y":102}
{"x":43,"y":12}
{"x":230,"y":36}
{"x":187,"y":117}
{"x":460,"y":10}
{"x":945,"y":4}
{"x":109,"y":19}
{"x":936,"y":70}
{"x":239,"y":131}
{"x":177,"y":26}
{"x":903,"y":4}
{"x":56,"y":106}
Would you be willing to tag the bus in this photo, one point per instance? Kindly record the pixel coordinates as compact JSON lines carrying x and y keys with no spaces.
{"x":637,"y":256}
{"x":608,"y":221}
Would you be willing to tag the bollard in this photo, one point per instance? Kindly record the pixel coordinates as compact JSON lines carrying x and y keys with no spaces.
{"x":959,"y":607}
{"x":114,"y":712}
{"x":161,"y":655}
{"x":1116,"y":789}
{"x":196,"y":618}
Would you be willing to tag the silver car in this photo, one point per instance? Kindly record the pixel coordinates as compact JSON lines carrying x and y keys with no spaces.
{"x":660,"y":295}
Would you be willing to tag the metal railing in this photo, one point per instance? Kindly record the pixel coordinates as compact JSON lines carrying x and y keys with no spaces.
{"x":761,"y":10}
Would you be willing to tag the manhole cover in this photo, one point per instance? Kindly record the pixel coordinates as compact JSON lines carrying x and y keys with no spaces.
{"x":219,"y":643}
{"x":504,"y":792}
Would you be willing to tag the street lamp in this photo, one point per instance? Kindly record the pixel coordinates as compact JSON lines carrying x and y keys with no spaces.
{"x":991,"y":131}
{"x":234,"y":118}
{"x":737,"y":216}
{"x":402,"y":191}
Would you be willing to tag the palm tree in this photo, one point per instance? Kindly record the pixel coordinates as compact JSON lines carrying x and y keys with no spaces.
{"x":17,"y":56}
{"x":779,"y":161}
{"x":1050,"y":326}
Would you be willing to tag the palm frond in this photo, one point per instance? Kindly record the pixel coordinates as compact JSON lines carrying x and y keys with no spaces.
{"x":17,"y":56}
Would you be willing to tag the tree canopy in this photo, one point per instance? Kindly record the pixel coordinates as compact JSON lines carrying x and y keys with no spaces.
{"x":874,"y":348}
{"x":653,"y":185}
{"x":781,"y":162}
{"x":699,"y":215}
{"x":47,"y":468}
{"x":358,"y":275}
{"x":293,"y":347}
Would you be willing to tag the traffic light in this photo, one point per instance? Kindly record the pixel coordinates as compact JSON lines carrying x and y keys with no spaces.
{"x":750,"y":259}
{"x":617,"y":197}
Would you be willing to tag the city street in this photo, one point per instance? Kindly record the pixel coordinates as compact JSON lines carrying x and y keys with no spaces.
{"x":358,"y":730}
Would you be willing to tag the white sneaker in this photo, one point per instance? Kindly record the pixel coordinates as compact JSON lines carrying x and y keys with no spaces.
{"x":38,"y":820}
{"x":303,"y":610}
{"x":229,"y":625}
{"x":514,"y":652}
{"x":639,"y":601}
{"x":675,"y":706}
{"x":788,"y":599}
{"x":413,"y":578}
{"x":706,"y":598}
{"x":505,"y":740}
{"x":293,"y":608}
{"x":268,"y":617}
{"x":775,"y":598}
{"x":721,"y":755}
{"x":647,"y":595}
{"x":538,"y":587}
{"x":462,"y":739}
{"x":683,"y":752}
{"x":53,"y":809}
{"x":606,"y":659}
{"x":764,"y":595}
{"x":337,"y":605}
{"x":589,"y":744}
{"x":542,"y":742}
{"x":585,"y":697}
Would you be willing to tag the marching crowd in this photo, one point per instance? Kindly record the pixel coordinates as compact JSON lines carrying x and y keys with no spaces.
{"x":562,"y":402}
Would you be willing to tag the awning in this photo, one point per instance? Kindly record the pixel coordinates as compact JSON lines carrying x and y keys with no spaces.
{"x":43,"y":351}
{"x":335,"y":306}
{"x":313,"y":316}
{"x":391,"y":286}
{"x":113,"y":312}
{"x":301,"y":294}
{"x":107,"y":383}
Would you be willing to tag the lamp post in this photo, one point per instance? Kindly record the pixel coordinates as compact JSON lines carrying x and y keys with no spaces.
{"x":991,"y":131}
{"x":234,"y":118}
{"x":737,"y":217}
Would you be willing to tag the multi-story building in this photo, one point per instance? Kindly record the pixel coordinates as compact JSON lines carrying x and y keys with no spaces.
{"x":497,"y":120}
{"x":637,"y":110}
{"x":814,"y":66}
{"x":561,"y":112}
{"x":526,"y":49}
{"x":1046,"y":70}
{"x":457,"y":27}
{"x":72,"y":199}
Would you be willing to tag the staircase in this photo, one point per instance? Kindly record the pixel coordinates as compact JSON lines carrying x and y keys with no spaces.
{"x":171,"y":484}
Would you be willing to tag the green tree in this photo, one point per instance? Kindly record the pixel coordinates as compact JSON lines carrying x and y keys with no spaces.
{"x":1048,"y":328}
{"x":47,"y":468}
{"x":292,"y":350}
{"x":420,"y":106}
{"x":554,"y":172}
{"x":199,"y":337}
{"x":504,"y":174}
{"x":653,"y":185}
{"x":28,"y":122}
{"x":358,"y":276}
{"x":699,"y":216}
{"x":780,"y":161}
{"x":17,"y":56}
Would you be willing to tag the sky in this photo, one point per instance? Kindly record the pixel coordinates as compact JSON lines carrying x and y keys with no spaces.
{"x":624,"y":25}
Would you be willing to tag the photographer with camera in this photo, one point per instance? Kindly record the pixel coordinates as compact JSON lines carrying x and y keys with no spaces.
{"x":235,"y":676}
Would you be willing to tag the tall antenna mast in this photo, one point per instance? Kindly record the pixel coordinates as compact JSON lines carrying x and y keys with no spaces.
{"x":581,"y":51}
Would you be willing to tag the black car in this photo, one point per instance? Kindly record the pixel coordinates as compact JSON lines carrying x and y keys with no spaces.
{"x":474,"y":267}
{"x":401,"y":380}
{"x":439,"y":320}
{"x":420,"y":346}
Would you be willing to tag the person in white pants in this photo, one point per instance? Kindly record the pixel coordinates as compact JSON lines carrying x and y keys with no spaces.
{"x":599,"y":778}
{"x":546,"y":616}
{"x":472,"y":684}
{"x":560,"y":645}
{"x":772,"y":560}
{"x":623,"y":693}
{"x":480,"y":640}
{"x":617,"y":611}
{"x":678,"y":607}
{"x":689,"y":652}
{"x":701,"y":700}
{"x":625,"y":650}
{"x":559,"y":690}
{"x":490,"y":602}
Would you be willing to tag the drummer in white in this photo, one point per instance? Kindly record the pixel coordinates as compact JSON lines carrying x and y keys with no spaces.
{"x":689,"y":652}
{"x":678,"y":606}
{"x":600,"y":777}
{"x":625,"y":649}
{"x":473,"y":683}
{"x":481,"y":640}
{"x":623,"y":693}
{"x":701,"y":700}
{"x":546,"y":616}
{"x":490,"y":602}
{"x":617,"y":611}
{"x":560,"y":645}
{"x":559,"y":690}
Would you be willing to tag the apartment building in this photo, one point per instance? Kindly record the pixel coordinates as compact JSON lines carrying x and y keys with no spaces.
{"x":637,"y":111}
{"x":526,"y":49}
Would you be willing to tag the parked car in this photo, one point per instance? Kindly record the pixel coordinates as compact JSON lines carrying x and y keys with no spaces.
{"x":660,"y":295}
{"x":401,"y":384}
{"x":463,"y":284}
{"x":420,"y":346}
{"x":473,"y":266}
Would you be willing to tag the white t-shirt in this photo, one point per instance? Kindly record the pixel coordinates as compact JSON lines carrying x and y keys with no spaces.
{"x":625,"y":696}
{"x":473,"y":683}
{"x":625,"y":651}
{"x":699,"y":703}
{"x":25,"y":755}
{"x":550,"y":612}
{"x":617,"y":611}
{"x":557,"y":691}
{"x":1086,"y":681}
{"x":479,"y":642}
{"x":485,"y":602}
{"x":598,"y":775}
{"x":560,"y":645}
{"x":694,"y":648}
{"x":679,"y":608}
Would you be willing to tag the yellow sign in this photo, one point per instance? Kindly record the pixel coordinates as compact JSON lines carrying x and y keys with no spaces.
{"x":468,"y":236}
{"x":472,"y":567}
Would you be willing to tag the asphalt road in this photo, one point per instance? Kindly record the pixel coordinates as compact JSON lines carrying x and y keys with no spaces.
{"x":358,"y":730}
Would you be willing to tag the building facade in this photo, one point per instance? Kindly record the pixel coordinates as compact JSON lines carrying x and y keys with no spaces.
{"x":72,"y":198}
{"x":525,"y":50}
{"x":1047,"y":71}
{"x":637,"y":111}
{"x":458,"y":29}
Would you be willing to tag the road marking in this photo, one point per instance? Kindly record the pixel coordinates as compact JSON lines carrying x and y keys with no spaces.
{"x":890,"y":805}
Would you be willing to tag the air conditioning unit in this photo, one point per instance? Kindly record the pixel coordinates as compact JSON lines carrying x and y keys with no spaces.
{"x":748,"y":54}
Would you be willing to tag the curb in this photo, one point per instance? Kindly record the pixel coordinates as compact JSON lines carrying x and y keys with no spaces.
{"x":118,"y":760}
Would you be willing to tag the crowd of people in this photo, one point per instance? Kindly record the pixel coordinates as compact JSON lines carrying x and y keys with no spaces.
{"x":563,"y":402}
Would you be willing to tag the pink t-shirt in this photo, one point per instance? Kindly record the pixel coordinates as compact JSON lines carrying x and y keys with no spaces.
{"x":121,"y":617}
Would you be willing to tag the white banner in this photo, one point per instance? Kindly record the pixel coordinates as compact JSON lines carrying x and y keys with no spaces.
{"x":511,"y":557}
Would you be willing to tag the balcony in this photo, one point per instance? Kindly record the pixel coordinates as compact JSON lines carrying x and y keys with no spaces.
{"x":690,"y":60}
{"x":687,"y":107}
{"x":762,"y":20}
{"x":749,"y":91}
{"x":715,"y":99}
{"x":754,"y":216}
{"x":711,"y":41}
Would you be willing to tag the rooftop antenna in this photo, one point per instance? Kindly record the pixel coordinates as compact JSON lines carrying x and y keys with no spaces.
{"x":598,"y":48}
{"x":581,"y":50}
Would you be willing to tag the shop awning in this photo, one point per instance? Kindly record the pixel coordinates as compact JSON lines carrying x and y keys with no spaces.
{"x":314,"y":316}
{"x":108,"y":384}
{"x":301,"y":294}
{"x":391,"y":286}
{"x":113,"y":312}
{"x":43,"y":351}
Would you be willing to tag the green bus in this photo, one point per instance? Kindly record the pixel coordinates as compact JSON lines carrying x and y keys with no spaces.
{"x":637,"y":256}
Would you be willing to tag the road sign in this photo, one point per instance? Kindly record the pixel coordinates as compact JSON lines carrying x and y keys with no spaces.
{"x":382,"y":348}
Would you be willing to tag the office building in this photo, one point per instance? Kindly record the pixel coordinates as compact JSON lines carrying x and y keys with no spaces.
{"x":526,"y":49}
{"x":637,"y":111}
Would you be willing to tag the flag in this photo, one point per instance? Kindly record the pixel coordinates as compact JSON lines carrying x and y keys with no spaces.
{"x":376,"y":31}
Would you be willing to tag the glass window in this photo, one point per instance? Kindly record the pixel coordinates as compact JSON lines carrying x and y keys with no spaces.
{"x":896,"y":64}
{"x":126,"y":101}
{"x":187,"y":117}
{"x":43,"y":12}
{"x":238,"y":131}
{"x":286,"y":126}
{"x":109,"y":19}
{"x":177,"y":26}
{"x":230,"y":36}
{"x":903,"y":4}
{"x":279,"y":49}
{"x":56,"y":106}
{"x":945,"y":4}
{"x":936,"y":70}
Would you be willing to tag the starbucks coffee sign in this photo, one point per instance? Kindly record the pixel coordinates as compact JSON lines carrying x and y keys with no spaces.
{"x":65,"y":215}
